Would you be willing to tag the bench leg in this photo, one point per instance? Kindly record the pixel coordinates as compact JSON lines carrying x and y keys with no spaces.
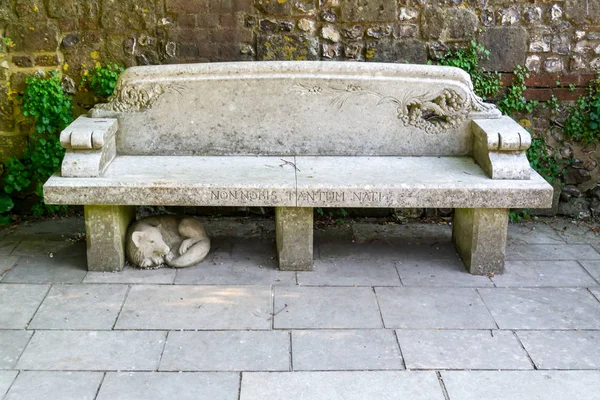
{"x":294,"y":232}
{"x":106,"y":230}
{"x":479,"y":236}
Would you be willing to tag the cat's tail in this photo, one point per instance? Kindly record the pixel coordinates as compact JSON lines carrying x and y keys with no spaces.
{"x":192,"y":256}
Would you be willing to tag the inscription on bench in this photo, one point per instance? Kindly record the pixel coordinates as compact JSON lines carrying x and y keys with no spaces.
{"x":243,"y":195}
{"x":303,"y":197}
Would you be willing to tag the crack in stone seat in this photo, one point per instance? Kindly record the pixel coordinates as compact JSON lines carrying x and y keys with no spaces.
{"x":295,"y":136}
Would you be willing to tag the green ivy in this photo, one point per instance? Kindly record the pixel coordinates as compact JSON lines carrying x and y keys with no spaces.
{"x":543,"y":160}
{"x":102,"y":79}
{"x":583,"y":122}
{"x":485,"y":84}
{"x":6,"y":204}
{"x":50,"y":108}
{"x":514,"y":101}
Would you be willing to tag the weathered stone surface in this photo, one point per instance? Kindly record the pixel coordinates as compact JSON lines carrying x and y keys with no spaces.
{"x":286,"y":47}
{"x":294,"y":233}
{"x":350,"y":272}
{"x":369,"y":10}
{"x":404,"y":51}
{"x":439,"y":273}
{"x":562,"y":349}
{"x":128,"y":14}
{"x":508,"y":47}
{"x":448,"y":23}
{"x":159,"y":386}
{"x":196,"y":307}
{"x":18,"y":303}
{"x":106,"y":229}
{"x":12,"y":344}
{"x":480,"y":238}
{"x":449,"y":349}
{"x":80,"y":307}
{"x":341,"y":385}
{"x":226,"y":351}
{"x":34,"y":38}
{"x":433,"y":308}
{"x":542,"y":308}
{"x":60,"y":385}
{"x":543,"y":274}
{"x":371,"y":349}
{"x":6,"y":379}
{"x":325,"y":308}
{"x":93,"y":351}
{"x":552,"y":253}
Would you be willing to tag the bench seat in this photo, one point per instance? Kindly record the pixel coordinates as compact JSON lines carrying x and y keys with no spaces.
{"x":302,"y":181}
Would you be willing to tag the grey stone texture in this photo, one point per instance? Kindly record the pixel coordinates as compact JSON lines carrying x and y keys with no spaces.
{"x":468,"y":349}
{"x":80,"y":307}
{"x":349,"y":272}
{"x":196,"y":307}
{"x":63,"y":268}
{"x":480,"y":238}
{"x":12,"y":344}
{"x":552,"y":253}
{"x":563,"y":349}
{"x":18,"y":303}
{"x":106,"y":229}
{"x":325,"y":308}
{"x":93,"y":351}
{"x":294,"y":233}
{"x":226,"y":351}
{"x":542,"y":308}
{"x":341,"y":385}
{"x":35,"y":385}
{"x":133,"y":275}
{"x":432,"y":308}
{"x":544,"y":274}
{"x":167,"y":385}
{"x":6,"y":379}
{"x":521,"y":385}
{"x":507,"y":45}
{"x":593,"y":268}
{"x":439,"y":273}
{"x":345,"y":350}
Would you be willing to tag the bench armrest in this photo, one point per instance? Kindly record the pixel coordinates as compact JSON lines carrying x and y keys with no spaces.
{"x":90,"y":145}
{"x":499,"y":147}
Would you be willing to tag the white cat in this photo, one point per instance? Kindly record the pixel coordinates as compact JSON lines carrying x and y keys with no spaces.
{"x":178,"y":242}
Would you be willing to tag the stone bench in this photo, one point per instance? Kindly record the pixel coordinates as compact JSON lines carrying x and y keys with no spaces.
{"x":295,"y":136}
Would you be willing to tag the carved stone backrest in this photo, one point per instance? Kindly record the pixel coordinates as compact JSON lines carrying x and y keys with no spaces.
{"x":294,"y":108}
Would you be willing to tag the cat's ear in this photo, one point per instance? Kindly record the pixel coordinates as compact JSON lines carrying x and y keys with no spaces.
{"x":136,"y":237}
{"x":159,"y":227}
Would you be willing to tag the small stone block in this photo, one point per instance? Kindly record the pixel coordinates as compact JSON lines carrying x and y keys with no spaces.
{"x":479,"y":236}
{"x":226,"y":351}
{"x":12,"y":344}
{"x":294,"y":233}
{"x":18,"y":303}
{"x":32,"y":385}
{"x":168,"y":385}
{"x":106,"y":228}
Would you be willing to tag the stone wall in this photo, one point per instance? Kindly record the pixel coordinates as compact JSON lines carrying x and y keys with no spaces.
{"x":556,"y":40}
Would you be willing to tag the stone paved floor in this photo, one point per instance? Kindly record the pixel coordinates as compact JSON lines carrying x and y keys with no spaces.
{"x":388,"y":313}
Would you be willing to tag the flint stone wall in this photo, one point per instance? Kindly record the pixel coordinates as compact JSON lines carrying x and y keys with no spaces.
{"x":556,"y":40}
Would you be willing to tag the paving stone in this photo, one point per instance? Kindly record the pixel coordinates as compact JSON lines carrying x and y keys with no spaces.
{"x":18,"y":303}
{"x":6,"y":379}
{"x":60,"y":269}
{"x":593,"y":267}
{"x":12,"y":344}
{"x":35,"y":385}
{"x":543,"y":273}
{"x":197,"y":307}
{"x":342,"y":385}
{"x":542,"y":308}
{"x":449,"y":349}
{"x":162,"y":276}
{"x":387,"y":250}
{"x":433,"y":308}
{"x":533,"y":233}
{"x":7,"y":246}
{"x":575,"y":233}
{"x":93,"y":351}
{"x":235,"y":272}
{"x":169,"y":385}
{"x":369,"y":349}
{"x":226,"y":351}
{"x":522,"y":385}
{"x":41,"y":248}
{"x":325,"y":307}
{"x":554,"y":252}
{"x":57,"y":229}
{"x":80,"y":307}
{"x":350,"y":272}
{"x":440,"y":273}
{"x":411,"y":232}
{"x":596,"y":292}
{"x":562,"y":349}
{"x":6,"y":263}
